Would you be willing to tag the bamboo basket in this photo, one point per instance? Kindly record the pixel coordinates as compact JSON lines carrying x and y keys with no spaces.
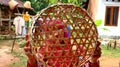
{"x":77,"y":47}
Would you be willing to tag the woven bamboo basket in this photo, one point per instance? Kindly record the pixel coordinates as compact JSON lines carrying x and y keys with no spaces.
{"x":72,"y":50}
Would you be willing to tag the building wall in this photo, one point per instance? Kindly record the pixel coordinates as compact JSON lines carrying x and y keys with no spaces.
{"x":5,"y":18}
{"x":113,"y":30}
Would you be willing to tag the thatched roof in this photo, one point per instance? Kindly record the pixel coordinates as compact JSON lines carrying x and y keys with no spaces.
{"x":5,"y":2}
{"x":20,"y":6}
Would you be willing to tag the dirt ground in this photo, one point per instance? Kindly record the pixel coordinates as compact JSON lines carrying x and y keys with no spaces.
{"x":109,"y":62}
{"x":6,"y":58}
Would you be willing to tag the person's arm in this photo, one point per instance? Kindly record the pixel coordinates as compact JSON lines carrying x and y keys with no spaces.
{"x":31,"y":64}
{"x":94,"y":62}
{"x":31,"y":58}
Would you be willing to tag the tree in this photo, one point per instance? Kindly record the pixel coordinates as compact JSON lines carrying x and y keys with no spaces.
{"x":37,"y":4}
{"x":41,"y":4}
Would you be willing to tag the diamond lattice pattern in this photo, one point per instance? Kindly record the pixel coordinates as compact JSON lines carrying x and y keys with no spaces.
{"x":64,"y":51}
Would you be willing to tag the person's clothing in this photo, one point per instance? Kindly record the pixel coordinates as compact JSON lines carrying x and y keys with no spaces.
{"x":28,"y":65}
{"x":88,"y":64}
{"x":36,"y":23}
{"x":58,"y":50}
{"x":23,"y":31}
{"x":93,"y":65}
{"x":19,"y":23}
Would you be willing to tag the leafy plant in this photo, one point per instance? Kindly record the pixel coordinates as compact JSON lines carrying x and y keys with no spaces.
{"x":38,"y":4}
{"x":13,"y":28}
{"x":22,"y":59}
{"x":22,"y":43}
{"x":106,"y":29}
{"x":41,"y":4}
{"x":98,"y":22}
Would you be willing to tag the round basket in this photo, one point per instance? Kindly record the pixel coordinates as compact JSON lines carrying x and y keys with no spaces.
{"x":74,"y":42}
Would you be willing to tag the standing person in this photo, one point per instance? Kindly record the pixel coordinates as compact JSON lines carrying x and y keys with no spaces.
{"x":32,"y":62}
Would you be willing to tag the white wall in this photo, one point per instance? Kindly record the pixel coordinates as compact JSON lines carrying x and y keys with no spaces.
{"x":114,"y":30}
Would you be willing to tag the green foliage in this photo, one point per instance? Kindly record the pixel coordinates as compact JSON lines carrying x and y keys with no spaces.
{"x":13,"y":28}
{"x":22,"y":43}
{"x":98,"y":22}
{"x":41,"y":4}
{"x":5,"y":37}
{"x":52,"y":1}
{"x":1,"y":38}
{"x":37,"y":4}
{"x":106,"y":29}
{"x":20,"y":63}
{"x":110,"y":52}
{"x":76,"y":2}
{"x":22,"y":59}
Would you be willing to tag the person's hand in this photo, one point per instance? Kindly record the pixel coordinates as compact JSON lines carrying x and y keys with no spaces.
{"x":97,"y":53}
{"x":31,"y":57}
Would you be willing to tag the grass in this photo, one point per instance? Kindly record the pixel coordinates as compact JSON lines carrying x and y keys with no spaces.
{"x":1,"y":41}
{"x":1,"y":44}
{"x":22,"y":59}
{"x":114,"y":53}
{"x":18,"y":53}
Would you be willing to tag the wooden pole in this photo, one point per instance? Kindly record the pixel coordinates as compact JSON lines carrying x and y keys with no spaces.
{"x":13,"y":43}
{"x":9,"y":21}
{"x":115,"y":44}
{"x":0,"y":19}
{"x":15,"y":37}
